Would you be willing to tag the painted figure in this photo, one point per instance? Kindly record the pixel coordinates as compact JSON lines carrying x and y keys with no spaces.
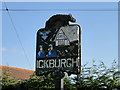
{"x":52,"y":52}
{"x":41,"y":53}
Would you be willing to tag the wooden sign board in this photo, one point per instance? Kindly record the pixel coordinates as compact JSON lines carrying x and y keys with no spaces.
{"x":59,"y":49}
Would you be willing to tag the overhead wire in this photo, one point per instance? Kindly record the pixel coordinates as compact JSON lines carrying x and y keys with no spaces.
{"x":17,"y":35}
{"x":60,"y":9}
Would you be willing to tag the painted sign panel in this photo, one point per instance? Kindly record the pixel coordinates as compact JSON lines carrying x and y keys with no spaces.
{"x":58,"y":49}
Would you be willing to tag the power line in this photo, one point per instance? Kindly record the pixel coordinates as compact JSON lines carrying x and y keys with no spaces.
{"x":59,"y":9}
{"x":17,"y":35}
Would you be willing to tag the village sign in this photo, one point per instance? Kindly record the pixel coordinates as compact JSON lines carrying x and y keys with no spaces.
{"x":58,"y":48}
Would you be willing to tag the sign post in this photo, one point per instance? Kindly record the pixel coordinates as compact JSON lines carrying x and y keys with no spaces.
{"x":59,"y":84}
{"x":58,"y":50}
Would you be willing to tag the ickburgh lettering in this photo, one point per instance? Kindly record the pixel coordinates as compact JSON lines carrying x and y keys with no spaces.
{"x":55,"y":63}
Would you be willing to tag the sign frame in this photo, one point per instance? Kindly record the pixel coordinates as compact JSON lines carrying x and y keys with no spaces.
{"x":78,"y":69}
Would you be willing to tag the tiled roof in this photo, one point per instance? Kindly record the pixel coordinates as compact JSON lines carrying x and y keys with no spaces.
{"x":17,"y":73}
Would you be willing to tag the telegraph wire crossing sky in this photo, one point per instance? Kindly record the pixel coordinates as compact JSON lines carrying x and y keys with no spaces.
{"x":98,"y":22}
{"x":17,"y":35}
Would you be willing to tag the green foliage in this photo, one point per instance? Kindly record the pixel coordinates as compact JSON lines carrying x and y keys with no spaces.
{"x":68,"y":85}
{"x":98,"y":77}
{"x":94,"y":78}
{"x":7,"y":81}
{"x":33,"y":83}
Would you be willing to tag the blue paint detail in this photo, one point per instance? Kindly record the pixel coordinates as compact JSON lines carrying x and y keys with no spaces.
{"x":52,"y":54}
{"x":40,"y":55}
{"x":44,"y":35}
